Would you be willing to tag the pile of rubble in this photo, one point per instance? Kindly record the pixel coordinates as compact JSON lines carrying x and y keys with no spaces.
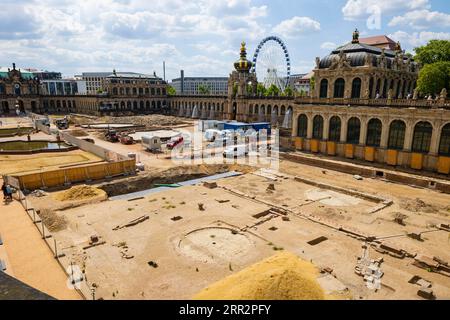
{"x":369,"y":269}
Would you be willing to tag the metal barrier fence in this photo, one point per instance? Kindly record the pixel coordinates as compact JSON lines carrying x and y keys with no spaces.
{"x":82,"y":287}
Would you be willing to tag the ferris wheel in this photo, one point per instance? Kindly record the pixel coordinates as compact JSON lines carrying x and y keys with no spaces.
{"x":271,"y":63}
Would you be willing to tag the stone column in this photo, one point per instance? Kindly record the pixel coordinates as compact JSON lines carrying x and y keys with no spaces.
{"x":348,"y":87}
{"x":409,"y":132}
{"x":363,"y":131}
{"x":374,"y":88}
{"x":435,"y":139}
{"x":294,"y":123}
{"x":344,"y":127}
{"x":394,"y":88}
{"x":326,"y":126}
{"x":364,"y":87}
{"x":381,"y":87}
{"x":310,"y":125}
{"x":330,"y":92}
{"x":384,"y":133}
{"x":401,"y":84}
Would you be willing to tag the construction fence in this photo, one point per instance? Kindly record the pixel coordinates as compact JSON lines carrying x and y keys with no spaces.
{"x":113,"y":165}
{"x":67,"y":176}
{"x":79,"y":283}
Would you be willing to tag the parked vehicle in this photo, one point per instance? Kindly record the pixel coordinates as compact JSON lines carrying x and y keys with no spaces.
{"x":235,"y":152}
{"x":212,"y":134}
{"x":174,"y":142}
{"x":62,"y":124}
{"x":151,"y":143}
{"x":111,"y":136}
{"x":126,"y":139}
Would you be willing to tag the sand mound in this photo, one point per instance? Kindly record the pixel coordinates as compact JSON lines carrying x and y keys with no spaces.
{"x":280,"y":277}
{"x":52,"y":220}
{"x":80,"y":193}
{"x":418,"y":205}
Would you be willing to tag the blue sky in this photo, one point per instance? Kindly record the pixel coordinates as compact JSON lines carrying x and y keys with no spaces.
{"x":202,"y":37}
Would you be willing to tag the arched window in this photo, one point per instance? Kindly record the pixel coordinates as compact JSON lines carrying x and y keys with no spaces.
{"x":356,"y":88}
{"x":302,"y":129}
{"x":317,"y":127}
{"x":2,"y":88}
{"x":339,"y":88}
{"x":250,"y":109}
{"x":370,"y":88}
{"x":323,"y":88}
{"x":334,"y":133}
{"x":353,"y":130}
{"x":422,"y":137}
{"x":396,"y":135}
{"x":373,"y":133}
{"x":444,"y":145}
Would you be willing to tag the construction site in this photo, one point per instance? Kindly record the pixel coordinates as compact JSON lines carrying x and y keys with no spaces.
{"x":121,"y":221}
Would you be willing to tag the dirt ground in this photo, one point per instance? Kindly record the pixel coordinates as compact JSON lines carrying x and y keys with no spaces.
{"x":173,"y":244}
{"x":197,"y":236}
{"x":39,"y":161}
{"x":27,"y":256}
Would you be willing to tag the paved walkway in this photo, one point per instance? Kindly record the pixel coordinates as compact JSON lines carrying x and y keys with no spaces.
{"x":27,"y":256}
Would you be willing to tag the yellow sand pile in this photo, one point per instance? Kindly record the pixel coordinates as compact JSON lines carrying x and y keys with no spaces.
{"x":281,"y":277}
{"x":82,"y":192}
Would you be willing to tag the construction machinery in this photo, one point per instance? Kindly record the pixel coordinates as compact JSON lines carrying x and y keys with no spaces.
{"x":126,"y":139}
{"x":62,"y":124}
{"x":111,"y":136}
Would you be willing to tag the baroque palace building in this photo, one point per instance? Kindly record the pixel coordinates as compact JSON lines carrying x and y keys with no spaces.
{"x":364,"y":106}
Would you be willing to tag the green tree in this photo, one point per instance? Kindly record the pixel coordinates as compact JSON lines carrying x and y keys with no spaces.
{"x":272,"y":91}
{"x":203,"y":89}
{"x":249,"y":89}
{"x":312,"y":83}
{"x":434,"y":77}
{"x":235,"y":90}
{"x":435,"y":73}
{"x":434,"y":51}
{"x":171,"y":91}
{"x":260,"y":89}
{"x":288,"y":92}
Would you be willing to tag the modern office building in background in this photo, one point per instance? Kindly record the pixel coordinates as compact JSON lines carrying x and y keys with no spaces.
{"x":94,"y":80}
{"x":192,"y":85}
{"x":63,"y":87}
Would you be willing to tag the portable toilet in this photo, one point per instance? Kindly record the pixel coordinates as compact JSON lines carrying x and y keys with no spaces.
{"x":152,"y":143}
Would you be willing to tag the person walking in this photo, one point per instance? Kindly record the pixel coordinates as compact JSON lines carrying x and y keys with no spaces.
{"x":5,"y":193}
{"x":9,"y":192}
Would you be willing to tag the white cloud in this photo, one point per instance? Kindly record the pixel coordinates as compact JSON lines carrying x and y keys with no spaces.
{"x":296,"y":26}
{"x":415,"y":39}
{"x":328,"y":45}
{"x":355,"y":9}
{"x":72,"y":36}
{"x":420,"y":19}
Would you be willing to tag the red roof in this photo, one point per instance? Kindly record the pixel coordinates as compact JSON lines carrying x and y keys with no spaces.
{"x":379,"y":41}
